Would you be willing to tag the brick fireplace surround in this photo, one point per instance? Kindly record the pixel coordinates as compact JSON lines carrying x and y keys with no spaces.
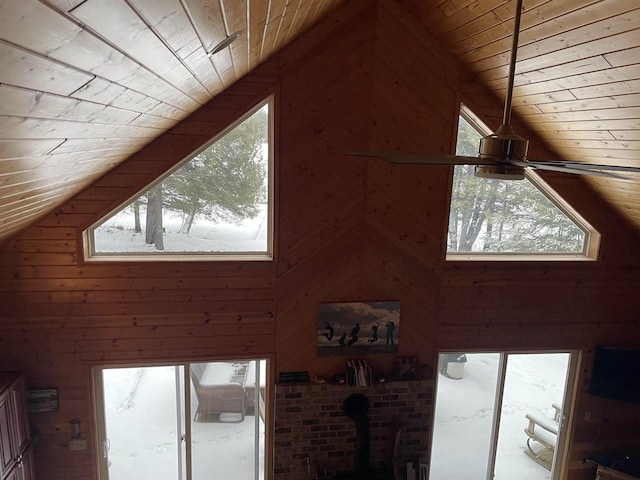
{"x":309,"y":422}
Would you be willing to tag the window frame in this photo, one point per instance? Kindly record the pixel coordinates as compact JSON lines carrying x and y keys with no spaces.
{"x":183,"y":394}
{"x":88,"y":239}
{"x":590,"y":247}
{"x":565,"y":437}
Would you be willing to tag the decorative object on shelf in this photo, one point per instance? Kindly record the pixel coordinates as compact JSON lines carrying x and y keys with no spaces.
{"x":294,"y":377}
{"x":406,"y":368}
{"x":41,"y":400}
{"x":339,"y":378}
{"x":358,"y":328}
{"x":359,"y":373}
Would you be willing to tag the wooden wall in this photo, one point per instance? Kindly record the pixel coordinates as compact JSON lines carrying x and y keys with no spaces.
{"x":60,"y":315}
{"x":347,"y":229}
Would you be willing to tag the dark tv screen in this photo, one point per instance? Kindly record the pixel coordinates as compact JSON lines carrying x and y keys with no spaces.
{"x":616,"y":374}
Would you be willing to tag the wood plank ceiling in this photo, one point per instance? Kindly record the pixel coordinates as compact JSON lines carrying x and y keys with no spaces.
{"x":577,"y":83}
{"x":86,"y":83}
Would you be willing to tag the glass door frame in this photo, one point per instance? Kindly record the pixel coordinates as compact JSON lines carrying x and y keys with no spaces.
{"x":99,"y":425}
{"x":100,"y":421}
{"x":183,"y":412}
{"x":565,"y":430}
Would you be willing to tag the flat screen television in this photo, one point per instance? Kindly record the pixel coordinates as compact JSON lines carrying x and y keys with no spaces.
{"x":616,"y":374}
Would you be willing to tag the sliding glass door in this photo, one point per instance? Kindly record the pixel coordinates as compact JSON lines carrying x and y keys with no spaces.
{"x":501,"y":415}
{"x":141,"y":422}
{"x":227,"y":420}
{"x":198,"y":421}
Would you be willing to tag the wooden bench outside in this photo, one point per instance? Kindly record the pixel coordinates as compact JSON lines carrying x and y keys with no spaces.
{"x":544,"y":431}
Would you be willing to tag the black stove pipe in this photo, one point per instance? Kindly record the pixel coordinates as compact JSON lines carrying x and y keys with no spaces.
{"x":356,"y":406}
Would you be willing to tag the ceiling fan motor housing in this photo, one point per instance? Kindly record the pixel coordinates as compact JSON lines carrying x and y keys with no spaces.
{"x":503,"y":147}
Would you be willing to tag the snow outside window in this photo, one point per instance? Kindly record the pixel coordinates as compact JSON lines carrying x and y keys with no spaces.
{"x":510,"y":219}
{"x":194,"y":421}
{"x":217,"y":204}
{"x":502,"y":415}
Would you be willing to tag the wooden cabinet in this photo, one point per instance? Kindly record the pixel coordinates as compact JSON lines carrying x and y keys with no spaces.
{"x":16,"y":459}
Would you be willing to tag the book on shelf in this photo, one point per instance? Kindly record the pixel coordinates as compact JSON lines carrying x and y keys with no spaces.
{"x":359,"y":373}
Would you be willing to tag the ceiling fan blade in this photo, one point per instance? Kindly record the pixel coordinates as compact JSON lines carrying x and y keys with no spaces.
{"x":586,"y":166}
{"x":575,"y":171}
{"x":422,"y":159}
{"x":503,"y":154}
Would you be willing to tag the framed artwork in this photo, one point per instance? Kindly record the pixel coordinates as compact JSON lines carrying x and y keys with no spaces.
{"x":42,"y":400}
{"x":357,"y":328}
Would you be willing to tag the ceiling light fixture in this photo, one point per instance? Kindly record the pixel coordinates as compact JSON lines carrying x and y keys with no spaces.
{"x":224,"y":43}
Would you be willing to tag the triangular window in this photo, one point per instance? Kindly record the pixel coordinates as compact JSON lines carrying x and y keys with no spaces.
{"x":217,"y":204}
{"x":510,"y":219}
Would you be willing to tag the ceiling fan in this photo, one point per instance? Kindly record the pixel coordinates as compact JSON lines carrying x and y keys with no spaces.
{"x":503,"y":154}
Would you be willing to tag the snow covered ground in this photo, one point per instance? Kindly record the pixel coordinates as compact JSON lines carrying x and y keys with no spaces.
{"x":464,"y":415}
{"x":143,"y":432}
{"x":118,"y":235}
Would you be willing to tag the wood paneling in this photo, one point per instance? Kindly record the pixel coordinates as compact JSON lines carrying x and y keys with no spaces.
{"x":115,"y":74}
{"x":153,"y":73}
{"x":348,"y":229}
{"x":71,"y":315}
{"x":576,"y":67}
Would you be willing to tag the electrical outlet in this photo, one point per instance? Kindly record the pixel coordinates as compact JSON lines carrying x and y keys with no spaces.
{"x":587,"y":416}
{"x":78,"y":445}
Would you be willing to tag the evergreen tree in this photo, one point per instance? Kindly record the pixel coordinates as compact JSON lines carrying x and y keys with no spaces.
{"x":225,"y":182}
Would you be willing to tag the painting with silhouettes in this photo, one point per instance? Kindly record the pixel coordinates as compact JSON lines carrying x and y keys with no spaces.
{"x":355,"y":328}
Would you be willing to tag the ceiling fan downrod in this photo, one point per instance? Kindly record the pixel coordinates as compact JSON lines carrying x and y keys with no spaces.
{"x":505,"y":144}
